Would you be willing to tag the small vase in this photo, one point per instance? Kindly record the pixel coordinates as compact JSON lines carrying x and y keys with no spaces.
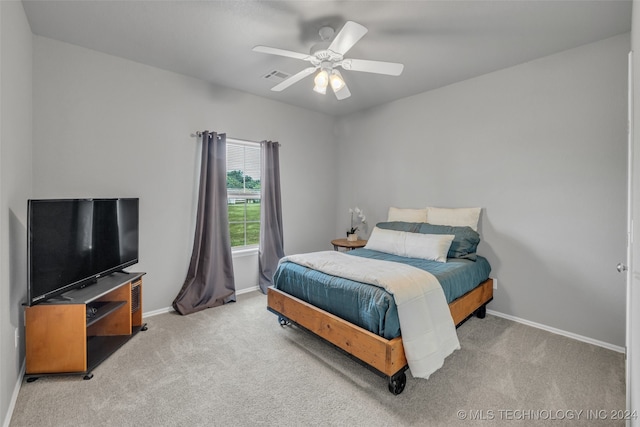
{"x":352,"y":237}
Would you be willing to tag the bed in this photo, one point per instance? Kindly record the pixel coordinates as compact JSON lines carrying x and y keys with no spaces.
{"x":361,"y":319}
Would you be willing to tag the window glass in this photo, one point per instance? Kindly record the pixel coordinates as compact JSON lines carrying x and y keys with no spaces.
{"x":243,"y":193}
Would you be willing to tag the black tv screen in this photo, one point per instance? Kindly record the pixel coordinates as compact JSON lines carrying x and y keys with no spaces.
{"x":73,"y":242}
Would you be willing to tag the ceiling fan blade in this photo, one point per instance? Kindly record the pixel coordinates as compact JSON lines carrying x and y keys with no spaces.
{"x":293,"y":79}
{"x":281,"y":52}
{"x":378,"y":67}
{"x":349,"y":35}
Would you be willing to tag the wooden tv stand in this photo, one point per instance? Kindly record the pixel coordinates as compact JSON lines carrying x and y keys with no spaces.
{"x":74,"y":333}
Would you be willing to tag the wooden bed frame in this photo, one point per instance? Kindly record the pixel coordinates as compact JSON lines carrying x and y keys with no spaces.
{"x":383,"y":356}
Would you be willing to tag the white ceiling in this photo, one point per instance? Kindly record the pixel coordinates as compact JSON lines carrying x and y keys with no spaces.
{"x":439,"y":42}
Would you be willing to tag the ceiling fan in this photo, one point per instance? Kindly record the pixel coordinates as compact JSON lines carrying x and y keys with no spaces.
{"x":328,"y":56}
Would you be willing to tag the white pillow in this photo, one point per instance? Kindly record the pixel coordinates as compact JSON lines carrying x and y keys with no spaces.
{"x":389,"y":241}
{"x":457,"y":217}
{"x":407,"y":215}
{"x":412,"y":245}
{"x":428,"y":246}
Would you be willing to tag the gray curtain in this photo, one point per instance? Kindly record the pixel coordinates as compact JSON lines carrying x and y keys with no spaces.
{"x":210,"y":280}
{"x":271,"y":241}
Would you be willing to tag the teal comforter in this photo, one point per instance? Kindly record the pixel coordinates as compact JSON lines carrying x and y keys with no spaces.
{"x":369,"y":306}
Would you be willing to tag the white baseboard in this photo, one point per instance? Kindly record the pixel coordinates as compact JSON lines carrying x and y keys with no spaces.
{"x":558,"y":331}
{"x":14,"y":396}
{"x":247,"y":290}
{"x":170,"y":309}
{"x":158,"y":311}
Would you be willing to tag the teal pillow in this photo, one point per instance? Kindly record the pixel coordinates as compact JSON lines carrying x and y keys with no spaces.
{"x":464,"y":244}
{"x":409,"y":227}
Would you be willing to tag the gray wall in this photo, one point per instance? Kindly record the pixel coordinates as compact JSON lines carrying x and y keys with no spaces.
{"x":542,"y":148}
{"x":15,"y":187}
{"x":106,"y":126}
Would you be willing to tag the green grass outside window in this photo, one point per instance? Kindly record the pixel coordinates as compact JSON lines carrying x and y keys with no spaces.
{"x":238,"y":226}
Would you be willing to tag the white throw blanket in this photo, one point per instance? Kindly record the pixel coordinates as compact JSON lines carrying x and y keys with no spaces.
{"x":428,"y":332}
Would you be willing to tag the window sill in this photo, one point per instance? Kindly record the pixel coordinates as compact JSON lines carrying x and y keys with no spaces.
{"x":238,"y":253}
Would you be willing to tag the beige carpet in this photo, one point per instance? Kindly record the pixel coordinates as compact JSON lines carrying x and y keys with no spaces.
{"x":235,"y":366}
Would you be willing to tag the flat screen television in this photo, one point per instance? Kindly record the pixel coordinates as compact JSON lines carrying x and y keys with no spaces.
{"x":73,"y":242}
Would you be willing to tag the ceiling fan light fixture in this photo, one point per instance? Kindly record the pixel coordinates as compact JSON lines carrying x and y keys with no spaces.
{"x":336,"y":81}
{"x":322,"y":79}
{"x":320,"y":89}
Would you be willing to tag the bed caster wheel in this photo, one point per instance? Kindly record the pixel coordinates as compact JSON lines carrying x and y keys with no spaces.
{"x":481,"y":312}
{"x":88,"y":376}
{"x":397,"y":383}
{"x":283,"y":321}
{"x":144,"y":327}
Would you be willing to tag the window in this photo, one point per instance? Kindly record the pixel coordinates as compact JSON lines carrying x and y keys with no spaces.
{"x":243,"y":192}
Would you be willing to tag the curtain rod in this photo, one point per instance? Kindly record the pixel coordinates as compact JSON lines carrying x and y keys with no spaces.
{"x":199,"y":134}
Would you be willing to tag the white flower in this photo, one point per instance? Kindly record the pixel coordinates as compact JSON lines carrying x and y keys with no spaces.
{"x":359,"y":215}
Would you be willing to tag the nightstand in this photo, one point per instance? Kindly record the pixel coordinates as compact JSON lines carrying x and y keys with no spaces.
{"x":348,"y":245}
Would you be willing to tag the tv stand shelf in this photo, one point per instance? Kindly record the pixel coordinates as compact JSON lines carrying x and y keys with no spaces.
{"x":75,"y":333}
{"x":103,"y":310}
